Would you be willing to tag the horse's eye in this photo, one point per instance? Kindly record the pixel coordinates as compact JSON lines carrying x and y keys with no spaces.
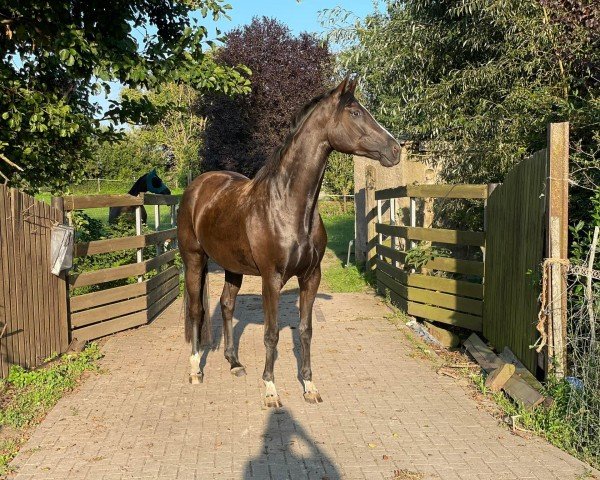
{"x":355,"y":113}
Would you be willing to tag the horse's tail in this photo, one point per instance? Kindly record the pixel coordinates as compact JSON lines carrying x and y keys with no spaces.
{"x":205,"y":320}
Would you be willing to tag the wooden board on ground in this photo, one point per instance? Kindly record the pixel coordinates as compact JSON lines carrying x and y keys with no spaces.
{"x":517,"y":388}
{"x":445,"y":337}
{"x":509,"y":357}
{"x":497,"y":378}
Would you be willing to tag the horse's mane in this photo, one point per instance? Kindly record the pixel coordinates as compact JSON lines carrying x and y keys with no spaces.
{"x":270,"y":166}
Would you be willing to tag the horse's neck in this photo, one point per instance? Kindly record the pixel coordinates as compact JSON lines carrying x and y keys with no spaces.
{"x":297,"y":182}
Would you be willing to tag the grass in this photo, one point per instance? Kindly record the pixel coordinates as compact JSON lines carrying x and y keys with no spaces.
{"x":551,"y":422}
{"x":340,"y":279}
{"x":26,"y":396}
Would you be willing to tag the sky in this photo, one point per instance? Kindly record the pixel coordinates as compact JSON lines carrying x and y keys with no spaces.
{"x":300,"y":17}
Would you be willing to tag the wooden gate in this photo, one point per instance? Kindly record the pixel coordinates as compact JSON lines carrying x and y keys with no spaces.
{"x":147,"y":287}
{"x":33,"y":302}
{"x":449,"y":288}
{"x":527,"y":222}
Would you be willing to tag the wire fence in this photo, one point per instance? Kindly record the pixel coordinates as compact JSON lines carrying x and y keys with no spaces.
{"x":93,"y":186}
{"x":583,"y":353}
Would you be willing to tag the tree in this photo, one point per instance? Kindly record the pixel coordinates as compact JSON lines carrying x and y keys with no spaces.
{"x":55,"y":55}
{"x":339,"y":176}
{"x":287,"y":72}
{"x":482,"y":77}
{"x":179,"y":131}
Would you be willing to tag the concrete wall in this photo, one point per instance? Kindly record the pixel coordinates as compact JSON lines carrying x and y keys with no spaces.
{"x":411,"y":169}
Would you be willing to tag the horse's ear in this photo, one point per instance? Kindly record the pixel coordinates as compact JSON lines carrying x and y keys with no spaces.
{"x":351,"y":85}
{"x":341,"y":88}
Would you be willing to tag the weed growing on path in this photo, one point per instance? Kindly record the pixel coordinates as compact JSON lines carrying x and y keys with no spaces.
{"x":26,"y":396}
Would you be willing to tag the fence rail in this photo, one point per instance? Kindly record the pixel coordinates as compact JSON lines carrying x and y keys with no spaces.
{"x":447,"y":300}
{"x":107,"y":311}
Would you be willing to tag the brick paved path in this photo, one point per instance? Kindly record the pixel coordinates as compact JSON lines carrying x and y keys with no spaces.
{"x":384,"y":410}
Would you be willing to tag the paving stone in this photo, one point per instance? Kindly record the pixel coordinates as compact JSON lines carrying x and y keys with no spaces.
{"x":141,"y":419}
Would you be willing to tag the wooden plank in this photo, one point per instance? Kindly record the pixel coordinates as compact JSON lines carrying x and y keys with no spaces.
{"x":509,"y":357}
{"x":516,"y":387}
{"x":482,"y":354}
{"x":391,"y":253}
{"x":440,"y":235}
{"x":162,"y":290}
{"x":6,"y":307}
{"x":430,"y":297}
{"x":155,"y":199}
{"x":388,"y":193}
{"x":63,"y":307}
{"x":124,"y":243}
{"x":162,"y":303}
{"x":447,"y":191}
{"x":79,"y":202}
{"x":16,"y":220}
{"x":451,"y":317}
{"x":103,"y":297}
{"x":447,"y":338}
{"x":497,"y":378}
{"x":106,"y":312}
{"x":102,"y":329}
{"x":29,"y":273}
{"x":123,"y":271}
{"x":370,"y":216}
{"x":447,"y":285}
{"x":467,"y":267}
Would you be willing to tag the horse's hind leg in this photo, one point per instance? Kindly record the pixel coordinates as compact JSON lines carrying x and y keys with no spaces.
{"x":196,"y":286}
{"x":308,"y":292}
{"x":233,"y":282}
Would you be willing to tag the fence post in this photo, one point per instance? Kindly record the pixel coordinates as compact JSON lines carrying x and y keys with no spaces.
{"x":371,"y":216}
{"x":557,"y":197}
{"x":393,"y":222}
{"x":138,"y":231}
{"x":413,"y":218}
{"x":58,"y":203}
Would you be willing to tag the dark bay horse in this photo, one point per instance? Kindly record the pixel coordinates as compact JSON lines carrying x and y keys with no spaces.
{"x":270,"y":227}
{"x":149,"y":182}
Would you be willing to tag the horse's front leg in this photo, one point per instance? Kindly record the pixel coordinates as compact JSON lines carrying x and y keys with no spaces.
{"x":308,"y":291}
{"x":270,"y":291}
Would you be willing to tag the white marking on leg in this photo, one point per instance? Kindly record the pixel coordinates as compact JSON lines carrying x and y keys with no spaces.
{"x":195,"y":364}
{"x":310,"y":387}
{"x":270,"y":390}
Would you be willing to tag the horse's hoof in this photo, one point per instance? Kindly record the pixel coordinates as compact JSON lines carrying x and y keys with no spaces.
{"x":272,"y":401}
{"x":238,"y":371}
{"x":196,"y":378}
{"x":313,"y":397}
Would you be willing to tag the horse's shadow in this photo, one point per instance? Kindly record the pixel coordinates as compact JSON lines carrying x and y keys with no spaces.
{"x":249,"y":311}
{"x":288,"y":451}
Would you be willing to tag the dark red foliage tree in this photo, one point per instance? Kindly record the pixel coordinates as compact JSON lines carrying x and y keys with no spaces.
{"x":287,"y":71}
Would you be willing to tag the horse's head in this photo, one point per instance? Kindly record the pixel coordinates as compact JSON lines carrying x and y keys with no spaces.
{"x":352,"y":129}
{"x":150,"y":182}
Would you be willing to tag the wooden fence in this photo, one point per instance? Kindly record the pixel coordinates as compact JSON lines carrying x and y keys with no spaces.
{"x":452,"y":291}
{"x":498,"y":292}
{"x":153,"y":283}
{"x":33,"y":302}
{"x":527,"y":222}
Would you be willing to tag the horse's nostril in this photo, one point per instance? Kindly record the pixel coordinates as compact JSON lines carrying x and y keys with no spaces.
{"x":395,"y":149}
